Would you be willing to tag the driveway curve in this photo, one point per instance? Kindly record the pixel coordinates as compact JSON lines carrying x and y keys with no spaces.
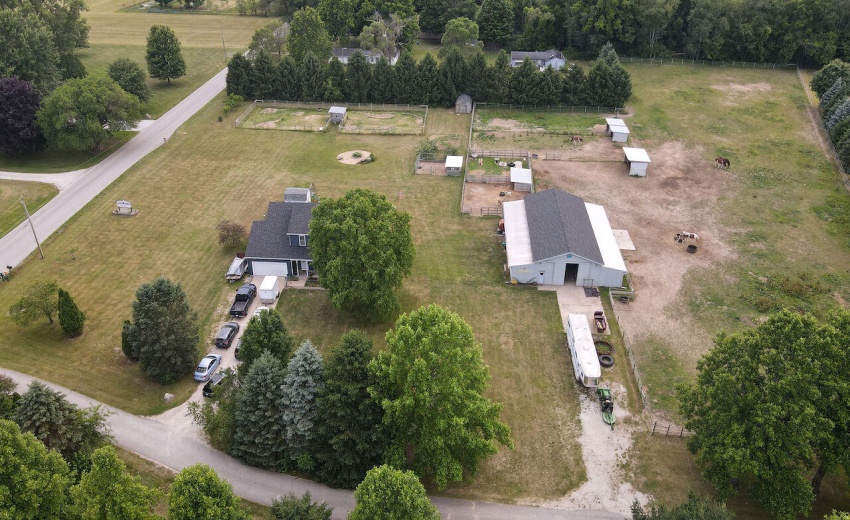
{"x":159,"y":443}
{"x":17,"y":245}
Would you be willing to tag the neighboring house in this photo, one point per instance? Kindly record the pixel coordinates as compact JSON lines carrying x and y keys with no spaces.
{"x":553,"y":237}
{"x":540,"y":58}
{"x":278,"y":243}
{"x":344,"y":54}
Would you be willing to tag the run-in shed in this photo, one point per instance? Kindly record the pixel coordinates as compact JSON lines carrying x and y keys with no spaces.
{"x":337,"y":114}
{"x":463,"y":104}
{"x":454,"y":164}
{"x":637,"y":160}
{"x":616,"y":128}
{"x":521,"y":179}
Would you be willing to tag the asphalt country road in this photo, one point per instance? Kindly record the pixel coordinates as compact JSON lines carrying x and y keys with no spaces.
{"x":157,"y":442}
{"x":17,"y":245}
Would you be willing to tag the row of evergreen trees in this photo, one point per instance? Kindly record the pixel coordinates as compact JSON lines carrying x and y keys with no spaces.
{"x":835,"y":105}
{"x":428,"y":83}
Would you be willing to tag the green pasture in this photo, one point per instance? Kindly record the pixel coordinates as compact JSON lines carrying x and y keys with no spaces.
{"x":209,"y":172}
{"x":513,"y":129}
{"x":285,"y":118}
{"x":57,"y":161}
{"x":35,"y":194}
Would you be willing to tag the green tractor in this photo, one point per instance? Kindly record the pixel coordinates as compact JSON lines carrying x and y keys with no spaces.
{"x":607,"y":404}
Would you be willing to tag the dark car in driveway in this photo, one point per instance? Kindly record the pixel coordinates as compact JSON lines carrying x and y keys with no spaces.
{"x":214,"y":381}
{"x":226,"y":334}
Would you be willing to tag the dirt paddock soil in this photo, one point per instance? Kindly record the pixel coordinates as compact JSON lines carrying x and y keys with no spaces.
{"x":432,"y":168}
{"x":679,"y":193}
{"x":480,"y":195}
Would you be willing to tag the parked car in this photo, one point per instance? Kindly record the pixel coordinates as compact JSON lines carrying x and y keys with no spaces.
{"x":214,"y":381}
{"x":226,"y":334}
{"x":260,"y":310}
{"x":236,"y":350}
{"x":207,"y":367}
{"x":244,"y":297}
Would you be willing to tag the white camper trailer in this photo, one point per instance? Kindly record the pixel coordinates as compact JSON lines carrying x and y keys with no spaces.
{"x":269,"y":289}
{"x":583,"y":350}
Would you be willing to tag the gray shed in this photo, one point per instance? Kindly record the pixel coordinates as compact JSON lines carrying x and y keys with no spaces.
{"x":463,"y":104}
{"x":337,"y":114}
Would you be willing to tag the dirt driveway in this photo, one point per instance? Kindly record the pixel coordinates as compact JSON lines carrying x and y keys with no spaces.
{"x":679,"y":193}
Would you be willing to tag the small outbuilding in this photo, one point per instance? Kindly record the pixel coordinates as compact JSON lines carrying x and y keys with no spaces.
{"x":463,"y":104}
{"x":616,"y":129}
{"x":454,"y":164}
{"x":337,"y":114}
{"x":637,"y":160}
{"x":521,"y":179}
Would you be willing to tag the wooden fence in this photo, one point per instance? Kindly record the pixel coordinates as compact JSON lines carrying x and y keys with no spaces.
{"x":508,"y":154}
{"x":550,"y":108}
{"x":493,"y":210}
{"x":488,"y":179}
{"x":711,"y":63}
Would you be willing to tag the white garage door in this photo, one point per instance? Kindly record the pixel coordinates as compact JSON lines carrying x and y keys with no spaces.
{"x":270,"y":268}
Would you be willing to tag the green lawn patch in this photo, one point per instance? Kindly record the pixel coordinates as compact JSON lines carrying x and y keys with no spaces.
{"x":57,"y":161}
{"x":36,"y":195}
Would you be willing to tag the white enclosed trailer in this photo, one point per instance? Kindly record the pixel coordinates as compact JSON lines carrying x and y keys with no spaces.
{"x":583,"y":350}
{"x":269,"y":289}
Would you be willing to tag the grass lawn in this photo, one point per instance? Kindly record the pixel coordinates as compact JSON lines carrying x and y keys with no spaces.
{"x":57,"y":161}
{"x":209,"y":174}
{"x":401,"y":122}
{"x":36,"y":195}
{"x":159,"y":477}
{"x":500,"y":119}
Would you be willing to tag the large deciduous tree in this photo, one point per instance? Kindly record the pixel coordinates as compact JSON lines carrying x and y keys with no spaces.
{"x":198,"y":492}
{"x":270,"y":39}
{"x":163,"y":335}
{"x":390,"y":494}
{"x":19,"y":102}
{"x":259,"y":437}
{"x":338,"y":16}
{"x":34,"y":482}
{"x":363,"y":248}
{"x":300,"y":390}
{"x":38,"y":301}
{"x":769,"y":406}
{"x":825,"y":78}
{"x":461,"y":34}
{"x":82,"y":113}
{"x":695,"y":508}
{"x":265,"y":333}
{"x":349,"y":439}
{"x":108,"y":492}
{"x":216,"y":414}
{"x":164,"y":57}
{"x":291,"y":507}
{"x":71,"y":318}
{"x":131,"y":77}
{"x":308,"y":35}
{"x":29,"y":49}
{"x":495,"y":21}
{"x":431,"y":382}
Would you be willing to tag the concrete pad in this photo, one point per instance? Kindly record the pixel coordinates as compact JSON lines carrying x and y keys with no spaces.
{"x":624,"y":241}
{"x":572,"y":300}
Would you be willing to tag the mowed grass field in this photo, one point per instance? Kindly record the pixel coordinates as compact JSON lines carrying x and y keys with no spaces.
{"x":35,"y":194}
{"x":213,"y":171}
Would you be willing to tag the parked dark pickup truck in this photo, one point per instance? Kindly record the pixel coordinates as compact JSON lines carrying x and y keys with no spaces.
{"x":244,"y":297}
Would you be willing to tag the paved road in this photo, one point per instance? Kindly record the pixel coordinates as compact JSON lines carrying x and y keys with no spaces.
{"x":160,"y":443}
{"x":19,"y":243}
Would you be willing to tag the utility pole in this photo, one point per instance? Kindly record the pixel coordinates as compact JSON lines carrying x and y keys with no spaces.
{"x":223,"y":47}
{"x":22,"y":201}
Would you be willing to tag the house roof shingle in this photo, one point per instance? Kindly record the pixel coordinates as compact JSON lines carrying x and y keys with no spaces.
{"x":269,"y":237}
{"x":536,"y":55}
{"x":558,"y":224}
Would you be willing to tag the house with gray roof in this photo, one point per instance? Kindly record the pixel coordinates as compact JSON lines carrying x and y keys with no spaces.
{"x":277,"y":245}
{"x":553,"y":237}
{"x":344,"y":54}
{"x":542,"y":59}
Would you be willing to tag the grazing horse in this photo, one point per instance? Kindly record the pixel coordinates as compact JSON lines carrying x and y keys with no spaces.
{"x":576,"y":139}
{"x":722,"y":163}
{"x":685,"y":236}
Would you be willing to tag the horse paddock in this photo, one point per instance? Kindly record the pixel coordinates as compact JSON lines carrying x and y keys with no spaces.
{"x":485,"y":199}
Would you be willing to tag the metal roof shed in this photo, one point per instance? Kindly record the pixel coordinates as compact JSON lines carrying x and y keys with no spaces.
{"x":619,"y":133}
{"x":454,"y":163}
{"x":638,"y":160}
{"x":337,"y":114}
{"x":521,"y":179}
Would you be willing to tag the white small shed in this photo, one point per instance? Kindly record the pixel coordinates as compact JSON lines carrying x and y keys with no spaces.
{"x":454,"y":164}
{"x":637,"y":160}
{"x":337,"y":114}
{"x":463,"y":104}
{"x":521,"y":179}
{"x":616,"y":128}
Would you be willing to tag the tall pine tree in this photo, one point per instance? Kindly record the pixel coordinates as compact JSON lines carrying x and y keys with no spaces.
{"x":259,"y":436}
{"x":312,"y":78}
{"x":263,"y":77}
{"x":499,"y":79}
{"x":239,"y":77}
{"x":406,"y":84}
{"x":428,"y":79}
{"x":358,"y":79}
{"x":574,"y":91}
{"x":453,"y":75}
{"x":300,"y":391}
{"x":383,"y":82}
{"x":71,"y":318}
{"x":476,"y":77}
{"x":525,"y":84}
{"x":349,"y":440}
{"x":334,"y":81}
{"x":288,"y":80}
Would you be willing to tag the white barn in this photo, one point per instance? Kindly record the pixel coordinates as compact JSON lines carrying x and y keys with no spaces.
{"x":616,"y":129}
{"x":637,"y":160}
{"x":521,"y":178}
{"x":553,"y":237}
{"x":454,"y":163}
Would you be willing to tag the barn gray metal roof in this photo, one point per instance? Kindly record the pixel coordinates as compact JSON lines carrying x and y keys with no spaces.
{"x":558,"y":224}
{"x":269,"y":236}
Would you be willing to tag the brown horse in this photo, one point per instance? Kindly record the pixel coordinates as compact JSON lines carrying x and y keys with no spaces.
{"x":722,"y":163}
